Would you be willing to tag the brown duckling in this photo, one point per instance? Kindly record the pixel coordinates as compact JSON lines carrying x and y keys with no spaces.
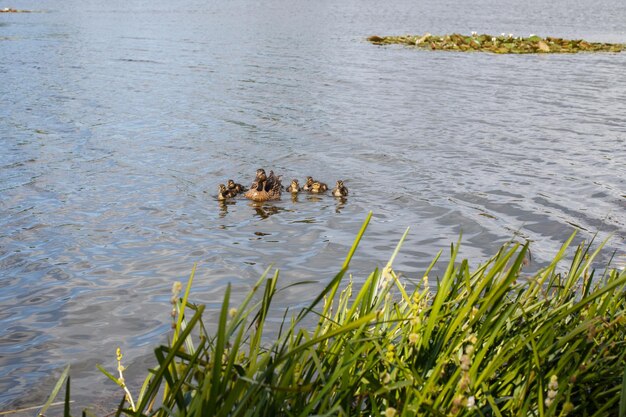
{"x":233,"y":186}
{"x":294,"y":187}
{"x":308,"y":183}
{"x":265,"y":187}
{"x":224,"y":193}
{"x":314,"y":186}
{"x":318,"y":187}
{"x":340,"y":190}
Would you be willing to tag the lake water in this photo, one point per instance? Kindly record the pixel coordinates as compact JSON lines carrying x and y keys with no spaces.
{"x":119,"y":119}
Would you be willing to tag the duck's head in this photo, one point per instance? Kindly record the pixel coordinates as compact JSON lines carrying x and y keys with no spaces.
{"x":309,"y":181}
{"x":294,"y":183}
{"x":339,"y":183}
{"x":260,"y":174}
{"x":231,"y":184}
{"x":222,"y":188}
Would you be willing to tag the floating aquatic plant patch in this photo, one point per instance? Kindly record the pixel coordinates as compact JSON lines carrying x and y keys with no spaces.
{"x":503,"y":44}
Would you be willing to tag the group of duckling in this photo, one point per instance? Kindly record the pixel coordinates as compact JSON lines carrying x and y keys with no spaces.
{"x":317,"y":187}
{"x":269,"y":187}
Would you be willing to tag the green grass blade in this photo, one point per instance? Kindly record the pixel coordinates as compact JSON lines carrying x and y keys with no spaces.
{"x":220,"y":347}
{"x":159,"y":374}
{"x":359,"y":235}
{"x":331,"y":288}
{"x":109,"y":375}
{"x":66,"y":407}
{"x":442,"y":294}
{"x":332,"y":333}
{"x":55,"y":390}
{"x":183,"y":305}
{"x":397,"y":249}
{"x":144,"y":386}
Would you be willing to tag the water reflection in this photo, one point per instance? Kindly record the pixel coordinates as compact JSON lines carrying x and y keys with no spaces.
{"x":264,"y":211}
{"x":315,"y":198}
{"x":340,"y":203}
{"x":223,"y":207}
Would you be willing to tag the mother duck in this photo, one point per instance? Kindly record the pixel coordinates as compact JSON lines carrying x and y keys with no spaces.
{"x":265,"y":187}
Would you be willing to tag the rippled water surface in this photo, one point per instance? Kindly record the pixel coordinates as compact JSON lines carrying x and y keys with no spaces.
{"x":119,"y":119}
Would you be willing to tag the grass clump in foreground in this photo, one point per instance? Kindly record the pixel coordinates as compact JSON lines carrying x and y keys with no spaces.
{"x":502,"y":44}
{"x":487,"y":342}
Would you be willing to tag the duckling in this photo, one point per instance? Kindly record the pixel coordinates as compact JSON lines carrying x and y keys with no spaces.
{"x":294,"y":187}
{"x":340,"y":190}
{"x":224,"y":193}
{"x":318,"y":187}
{"x":308,"y":183}
{"x":233,"y":186}
{"x":314,"y":186}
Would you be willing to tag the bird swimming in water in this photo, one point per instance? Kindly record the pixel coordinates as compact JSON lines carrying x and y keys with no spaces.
{"x":314,"y":186}
{"x":233,"y":186}
{"x":308,"y":183}
{"x":224,"y":193}
{"x":294,"y":187}
{"x":260,"y":175}
{"x":340,"y":190}
{"x":318,"y":187}
{"x":265,"y":187}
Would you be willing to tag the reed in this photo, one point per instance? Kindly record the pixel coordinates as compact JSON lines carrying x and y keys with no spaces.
{"x":492,"y":341}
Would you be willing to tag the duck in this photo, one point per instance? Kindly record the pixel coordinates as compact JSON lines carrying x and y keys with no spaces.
{"x":318,"y":187}
{"x":308,"y":183}
{"x":340,"y":190}
{"x":260,"y":174}
{"x":259,"y":180}
{"x":314,"y":186}
{"x":294,"y":187}
{"x":224,"y":193}
{"x":233,"y":186}
{"x":265,"y":187}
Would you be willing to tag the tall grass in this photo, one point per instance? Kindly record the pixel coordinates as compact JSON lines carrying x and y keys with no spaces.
{"x":492,"y":341}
